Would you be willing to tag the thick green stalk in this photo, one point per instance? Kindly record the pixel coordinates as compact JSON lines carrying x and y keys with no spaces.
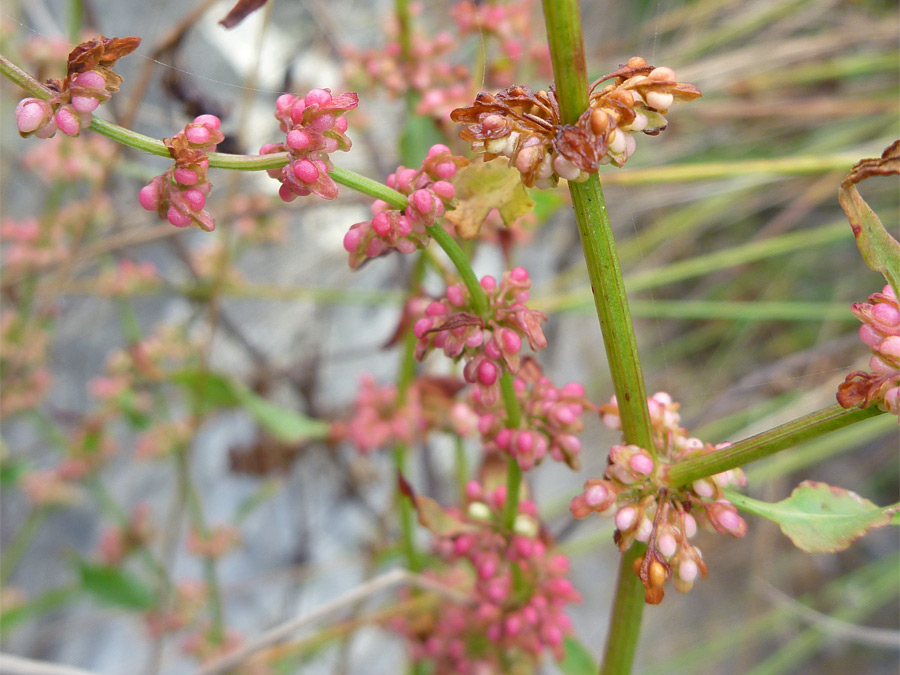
{"x":567,"y":54}
{"x":767,"y":443}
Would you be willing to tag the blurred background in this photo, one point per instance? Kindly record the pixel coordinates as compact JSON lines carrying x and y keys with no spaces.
{"x":739,"y":262}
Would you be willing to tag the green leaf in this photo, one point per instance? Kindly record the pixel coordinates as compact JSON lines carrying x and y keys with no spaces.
{"x":820,"y":518}
{"x":577,"y":660}
{"x":481,"y":187}
{"x":880,"y":251}
{"x":36,"y":607}
{"x":215,"y":391}
{"x":116,"y":586}
{"x":11,"y":470}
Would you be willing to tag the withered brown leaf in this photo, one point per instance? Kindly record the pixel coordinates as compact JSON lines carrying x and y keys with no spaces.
{"x":99,"y":51}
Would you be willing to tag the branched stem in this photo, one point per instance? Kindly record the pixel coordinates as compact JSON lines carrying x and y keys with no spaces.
{"x":767,"y":443}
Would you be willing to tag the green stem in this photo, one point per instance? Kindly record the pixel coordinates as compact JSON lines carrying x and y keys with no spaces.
{"x":567,"y":55}
{"x":407,"y":525}
{"x":625,"y":616}
{"x":513,"y":470}
{"x":461,"y":263}
{"x":767,"y":443}
{"x":14,"y":551}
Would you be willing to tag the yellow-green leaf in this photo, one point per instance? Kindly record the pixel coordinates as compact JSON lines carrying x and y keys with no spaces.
{"x":481,"y":187}
{"x":818,"y":517}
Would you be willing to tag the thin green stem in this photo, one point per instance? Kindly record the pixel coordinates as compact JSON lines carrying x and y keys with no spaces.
{"x":513,"y":470}
{"x":407,"y":525}
{"x":461,"y":263}
{"x":767,"y":443}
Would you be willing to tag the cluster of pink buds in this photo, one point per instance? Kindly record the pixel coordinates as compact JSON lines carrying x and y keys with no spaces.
{"x":426,"y":70}
{"x":380,"y":420}
{"x":315,"y":126}
{"x":511,"y":24}
{"x":89,"y":82}
{"x":179,"y":194}
{"x":525,"y":126}
{"x":490,"y":343}
{"x":881,"y":331}
{"x":551,"y":420}
{"x":518,"y":586}
{"x":429,"y":195}
{"x":646,"y":509}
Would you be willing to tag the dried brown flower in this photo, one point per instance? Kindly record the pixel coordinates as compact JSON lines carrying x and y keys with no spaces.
{"x":525,"y":126}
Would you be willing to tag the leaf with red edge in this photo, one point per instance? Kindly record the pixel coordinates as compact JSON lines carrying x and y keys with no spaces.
{"x":880,"y":251}
{"x":481,"y":187}
{"x":433,"y":516}
{"x":818,"y":517}
{"x":241,"y":10}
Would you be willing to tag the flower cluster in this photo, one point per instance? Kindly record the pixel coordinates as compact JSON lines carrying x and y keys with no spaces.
{"x":379,"y":420}
{"x":881,"y":331}
{"x":24,"y":361}
{"x":61,"y":159}
{"x":551,"y":418}
{"x":426,"y":70}
{"x":511,"y":24}
{"x":179,"y":194}
{"x":518,"y":587}
{"x":526,"y":127}
{"x":315,"y":126}
{"x":486,"y":343}
{"x":89,"y":82}
{"x":429,"y":195}
{"x":633,"y":490}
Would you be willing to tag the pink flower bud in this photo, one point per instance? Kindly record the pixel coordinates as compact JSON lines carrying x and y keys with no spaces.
{"x":195,"y":199}
{"x":641,"y":464}
{"x":488,"y":283}
{"x":149,"y":196}
{"x":283,"y":102}
{"x":85,"y":104}
{"x":306,"y":171}
{"x":320,"y":97}
{"x":67,"y":122}
{"x":381,"y":224}
{"x":443,"y":189}
{"x":31,"y":114}
{"x":456,"y":296}
{"x":297,"y":139}
{"x":423,"y":201}
{"x":625,"y":518}
{"x":687,"y":570}
{"x":177,"y":218}
{"x":487,"y":373}
{"x":596,"y":495}
{"x":667,"y":545}
{"x":185,"y":176}
{"x":197,"y":135}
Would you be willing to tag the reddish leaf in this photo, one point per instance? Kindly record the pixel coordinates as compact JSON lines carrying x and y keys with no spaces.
{"x":432,"y":516}
{"x":241,"y":10}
